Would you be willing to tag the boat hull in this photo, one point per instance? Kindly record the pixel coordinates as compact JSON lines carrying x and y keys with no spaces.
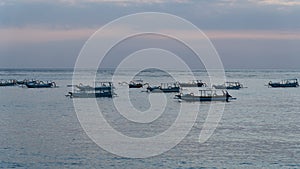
{"x":90,"y":95}
{"x":135,"y":85}
{"x":7,"y":84}
{"x":227,"y":87}
{"x":191,"y":85}
{"x":39,"y":86}
{"x":167,"y":90}
{"x":204,"y":99}
{"x":275,"y":85}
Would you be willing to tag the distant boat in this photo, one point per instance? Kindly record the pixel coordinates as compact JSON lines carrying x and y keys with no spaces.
{"x":101,"y":89}
{"x":98,"y":86}
{"x":136,"y":84}
{"x":22,"y":82}
{"x":284,"y":83}
{"x":229,"y":86}
{"x":205,"y":95}
{"x":9,"y":82}
{"x":40,"y":84}
{"x":194,"y":83}
{"x":164,"y":88}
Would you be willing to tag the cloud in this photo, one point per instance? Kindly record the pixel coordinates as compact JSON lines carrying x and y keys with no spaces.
{"x":80,"y":2}
{"x":12,"y":36}
{"x":254,"y":34}
{"x":40,"y":35}
{"x":278,"y":2}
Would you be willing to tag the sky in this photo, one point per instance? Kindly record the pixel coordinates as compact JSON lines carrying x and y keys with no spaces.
{"x":247,"y":34}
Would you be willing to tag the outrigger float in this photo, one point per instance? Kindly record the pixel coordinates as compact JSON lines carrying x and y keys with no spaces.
{"x":101,"y":89}
{"x":164,"y":88}
{"x":205,"y":95}
{"x":284,"y":83}
{"x":229,"y":86}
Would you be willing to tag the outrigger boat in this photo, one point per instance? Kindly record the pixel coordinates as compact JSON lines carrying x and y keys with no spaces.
{"x":229,"y":86}
{"x":10,"y":82}
{"x":101,"y":89}
{"x":136,"y":83}
{"x":165,"y":88}
{"x":194,"y":83}
{"x":205,"y":95}
{"x":22,"y":82}
{"x":284,"y":83}
{"x":99,"y":86}
{"x":40,"y":84}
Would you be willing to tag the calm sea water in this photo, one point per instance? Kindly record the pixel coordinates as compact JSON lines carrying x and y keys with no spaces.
{"x":261,"y":129}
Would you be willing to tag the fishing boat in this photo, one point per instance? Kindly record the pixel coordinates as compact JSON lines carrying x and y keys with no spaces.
{"x":98,"y":86}
{"x":9,"y":82}
{"x":136,"y":83}
{"x":206,"y":95}
{"x":284,"y":83}
{"x":23,"y":82}
{"x":164,"y":88}
{"x":40,"y":84}
{"x":101,"y":89}
{"x":194,"y":83}
{"x":229,"y":86}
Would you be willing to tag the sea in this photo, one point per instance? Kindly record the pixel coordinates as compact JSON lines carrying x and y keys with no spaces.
{"x":39,"y":128}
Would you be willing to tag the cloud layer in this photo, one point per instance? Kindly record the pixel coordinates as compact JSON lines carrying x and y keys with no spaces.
{"x":41,"y":24}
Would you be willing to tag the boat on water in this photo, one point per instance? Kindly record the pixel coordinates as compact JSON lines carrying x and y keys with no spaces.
{"x":98,"y":86}
{"x":229,"y":86}
{"x":9,"y":82}
{"x":194,"y":83}
{"x":206,"y":95}
{"x":136,"y":83}
{"x":164,"y":88}
{"x":23,"y":82}
{"x":40,"y":84}
{"x":101,"y":89}
{"x":284,"y":83}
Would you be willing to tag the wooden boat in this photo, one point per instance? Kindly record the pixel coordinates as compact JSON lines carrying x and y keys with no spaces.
{"x":194,"y":83}
{"x":9,"y":82}
{"x":136,"y":84}
{"x":23,"y":82}
{"x":40,"y":84}
{"x":101,"y":89}
{"x":205,"y":95}
{"x":165,"y":88}
{"x":229,"y":86}
{"x":284,"y":83}
{"x":98,"y":86}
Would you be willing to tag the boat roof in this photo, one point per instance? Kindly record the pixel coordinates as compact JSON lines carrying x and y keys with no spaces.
{"x":210,"y":89}
{"x":137,"y":80}
{"x":291,"y":79}
{"x":170,"y":83}
{"x":101,"y":82}
{"x":232,"y":82}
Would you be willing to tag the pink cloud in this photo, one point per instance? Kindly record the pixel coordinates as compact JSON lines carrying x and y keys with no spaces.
{"x":39,"y":35}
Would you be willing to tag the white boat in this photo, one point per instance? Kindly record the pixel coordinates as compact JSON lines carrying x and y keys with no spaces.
{"x":229,"y":85}
{"x":164,"y":88}
{"x":194,"y":83}
{"x":284,"y":83}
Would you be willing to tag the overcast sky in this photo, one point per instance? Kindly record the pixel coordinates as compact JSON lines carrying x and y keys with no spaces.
{"x":246,"y":33}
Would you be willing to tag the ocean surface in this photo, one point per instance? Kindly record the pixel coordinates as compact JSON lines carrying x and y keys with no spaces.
{"x":39,"y":128}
